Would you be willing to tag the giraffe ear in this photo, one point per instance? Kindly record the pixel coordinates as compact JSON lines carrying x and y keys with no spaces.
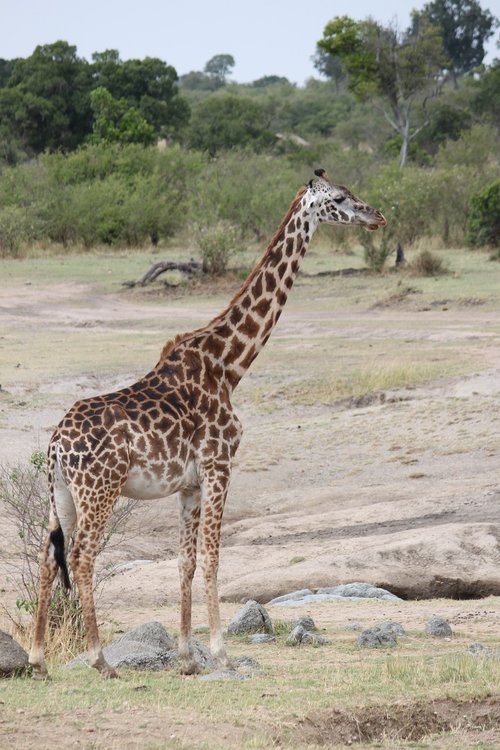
{"x":310,"y":183}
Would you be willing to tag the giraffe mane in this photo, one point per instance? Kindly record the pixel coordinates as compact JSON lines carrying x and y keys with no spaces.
{"x":181,"y":337}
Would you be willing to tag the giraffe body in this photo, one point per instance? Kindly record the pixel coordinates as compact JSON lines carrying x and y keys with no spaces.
{"x":175,"y":431}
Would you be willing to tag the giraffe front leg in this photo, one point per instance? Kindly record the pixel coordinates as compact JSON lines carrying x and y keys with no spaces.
{"x":215,"y":492}
{"x":189,"y":521}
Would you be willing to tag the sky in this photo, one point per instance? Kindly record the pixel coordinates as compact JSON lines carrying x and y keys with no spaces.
{"x":265,"y":37}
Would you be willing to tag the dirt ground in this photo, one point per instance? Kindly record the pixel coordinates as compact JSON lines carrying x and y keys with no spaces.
{"x":399,"y":488}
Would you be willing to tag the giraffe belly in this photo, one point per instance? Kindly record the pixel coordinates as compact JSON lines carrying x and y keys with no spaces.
{"x":142,"y":484}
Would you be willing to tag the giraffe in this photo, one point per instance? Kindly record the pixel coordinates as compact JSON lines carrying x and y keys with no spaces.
{"x":175,"y":431}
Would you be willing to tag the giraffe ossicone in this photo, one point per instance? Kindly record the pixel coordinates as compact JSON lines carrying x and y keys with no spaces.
{"x":175,"y":431}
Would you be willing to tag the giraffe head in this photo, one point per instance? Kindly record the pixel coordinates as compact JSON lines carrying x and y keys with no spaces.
{"x":335,"y":204}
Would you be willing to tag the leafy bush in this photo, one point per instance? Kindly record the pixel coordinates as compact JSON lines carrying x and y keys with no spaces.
{"x":483,"y":224}
{"x":217,"y":242}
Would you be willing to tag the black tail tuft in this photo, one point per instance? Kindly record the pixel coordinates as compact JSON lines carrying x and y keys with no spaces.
{"x":57,"y":539}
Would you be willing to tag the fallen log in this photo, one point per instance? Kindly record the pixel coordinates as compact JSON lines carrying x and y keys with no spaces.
{"x":190,"y":268}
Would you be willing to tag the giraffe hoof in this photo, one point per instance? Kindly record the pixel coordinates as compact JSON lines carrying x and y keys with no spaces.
{"x":189,"y":667}
{"x":108,"y":673}
{"x":40,"y":674}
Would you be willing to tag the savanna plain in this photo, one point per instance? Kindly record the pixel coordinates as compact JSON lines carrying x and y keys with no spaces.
{"x":370,"y":453}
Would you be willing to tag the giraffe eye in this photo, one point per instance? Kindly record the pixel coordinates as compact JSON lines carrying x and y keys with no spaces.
{"x":339,"y":200}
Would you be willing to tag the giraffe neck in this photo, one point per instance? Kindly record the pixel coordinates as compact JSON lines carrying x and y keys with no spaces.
{"x":235,"y":337}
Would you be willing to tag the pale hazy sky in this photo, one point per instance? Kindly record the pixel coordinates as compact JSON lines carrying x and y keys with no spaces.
{"x":264,"y":36}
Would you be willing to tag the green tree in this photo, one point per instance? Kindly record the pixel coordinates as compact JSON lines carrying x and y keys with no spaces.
{"x":116,"y":121}
{"x":487,"y":98}
{"x":398,"y":70}
{"x":225,"y":121}
{"x":465,"y":28}
{"x":149,"y":86}
{"x":329,"y":66}
{"x":47,"y":98}
{"x":219,"y":67}
{"x":483,"y":224}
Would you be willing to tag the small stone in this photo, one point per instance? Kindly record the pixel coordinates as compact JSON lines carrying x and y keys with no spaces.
{"x":262,"y":638}
{"x":478,"y":649}
{"x":296,"y":636}
{"x":223,"y":674}
{"x":252,"y":618}
{"x":438,"y":627}
{"x":313,"y":639}
{"x":306,"y":622}
{"x":353,"y":626}
{"x":390,"y":627}
{"x":370,"y":638}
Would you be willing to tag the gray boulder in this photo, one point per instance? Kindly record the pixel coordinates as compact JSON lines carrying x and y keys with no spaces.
{"x":353,"y":626}
{"x":372,"y":638}
{"x":293,"y":596}
{"x":359,"y":590}
{"x":13,"y":657}
{"x":438,"y":627}
{"x":252,"y":618}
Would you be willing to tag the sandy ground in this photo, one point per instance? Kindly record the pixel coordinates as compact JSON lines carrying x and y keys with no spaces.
{"x":399,"y":489}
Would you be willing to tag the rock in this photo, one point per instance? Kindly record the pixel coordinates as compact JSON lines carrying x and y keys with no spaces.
{"x":353,"y":626}
{"x":313,"y":639}
{"x":223,"y":674}
{"x":262,"y":638}
{"x":151,"y":633}
{"x":13,"y":657}
{"x":301,"y":636}
{"x":296,"y":636}
{"x":252,"y":618}
{"x":358,"y":589}
{"x":390,"y":627}
{"x":306,"y":622}
{"x":478,"y":649}
{"x":246,"y":664}
{"x":438,"y":627}
{"x":293,"y":596}
{"x":148,"y":646}
{"x":371,"y":638}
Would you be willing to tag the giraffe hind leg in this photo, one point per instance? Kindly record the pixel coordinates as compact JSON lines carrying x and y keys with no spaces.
{"x":48,"y":572}
{"x":52,"y":558}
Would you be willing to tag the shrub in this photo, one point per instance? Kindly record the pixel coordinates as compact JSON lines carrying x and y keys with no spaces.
{"x":217,"y":242}
{"x":23,"y":495}
{"x":428,"y":264}
{"x":377,"y":251}
{"x":483,"y":224}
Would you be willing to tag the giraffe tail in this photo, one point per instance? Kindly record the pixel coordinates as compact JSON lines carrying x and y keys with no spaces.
{"x":57,"y":540}
{"x":56,"y":536}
